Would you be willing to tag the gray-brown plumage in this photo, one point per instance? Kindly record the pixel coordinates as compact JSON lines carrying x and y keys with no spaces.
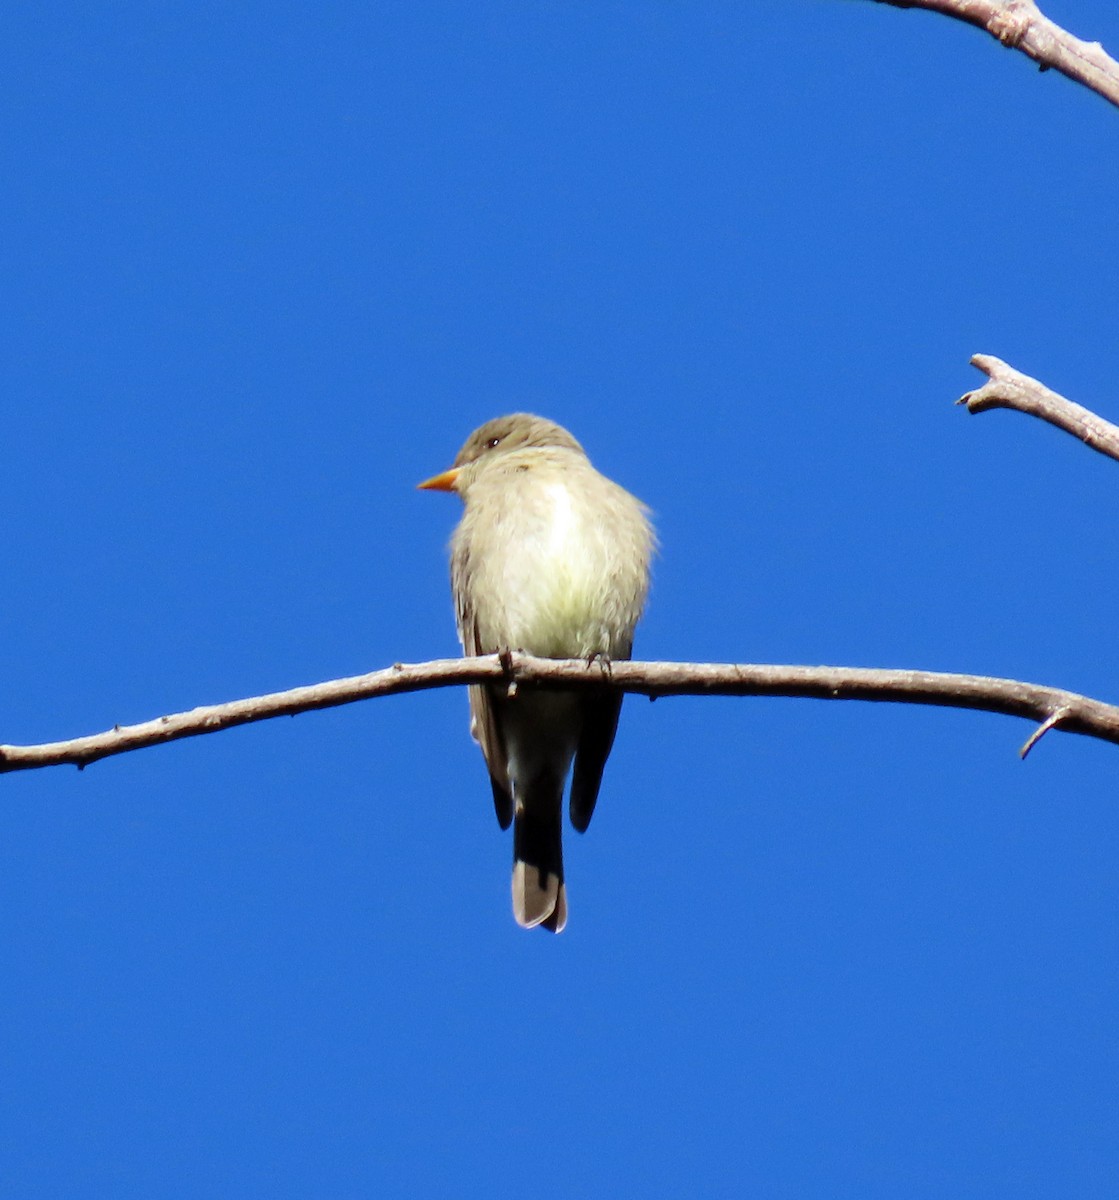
{"x":552,"y":558}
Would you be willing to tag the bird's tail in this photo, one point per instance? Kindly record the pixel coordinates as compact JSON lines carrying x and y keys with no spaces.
{"x":539,"y":896}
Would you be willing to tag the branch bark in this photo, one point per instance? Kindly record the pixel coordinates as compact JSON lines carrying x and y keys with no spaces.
{"x":1020,"y":25}
{"x":1008,"y":388}
{"x":1050,"y":707}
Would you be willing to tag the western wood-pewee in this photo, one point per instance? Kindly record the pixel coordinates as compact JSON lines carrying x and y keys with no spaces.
{"x":551,"y":558}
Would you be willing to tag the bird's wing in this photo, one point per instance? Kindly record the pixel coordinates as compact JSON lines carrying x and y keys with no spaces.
{"x":600,"y":722}
{"x":486,"y":731}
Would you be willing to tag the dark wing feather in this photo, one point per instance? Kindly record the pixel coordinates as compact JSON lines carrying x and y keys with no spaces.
{"x":600,"y":723}
{"x":487,"y":733}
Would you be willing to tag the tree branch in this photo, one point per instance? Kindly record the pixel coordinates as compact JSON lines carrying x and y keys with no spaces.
{"x":1009,"y":388}
{"x":1021,"y":25}
{"x":1049,"y":706}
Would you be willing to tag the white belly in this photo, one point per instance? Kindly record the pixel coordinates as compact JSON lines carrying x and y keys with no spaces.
{"x":558,"y":602}
{"x":544,"y":574}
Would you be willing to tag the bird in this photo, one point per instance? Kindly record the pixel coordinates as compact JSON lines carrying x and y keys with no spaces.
{"x":550,"y":558}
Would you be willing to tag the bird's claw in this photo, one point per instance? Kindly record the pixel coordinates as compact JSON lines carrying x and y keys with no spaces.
{"x":604,"y":662}
{"x":505,"y":657}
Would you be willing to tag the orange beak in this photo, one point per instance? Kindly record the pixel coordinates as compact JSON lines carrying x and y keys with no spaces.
{"x":441,"y":483}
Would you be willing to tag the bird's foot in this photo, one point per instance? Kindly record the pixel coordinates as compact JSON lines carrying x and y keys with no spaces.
{"x":505,"y":657}
{"x":604,"y":661}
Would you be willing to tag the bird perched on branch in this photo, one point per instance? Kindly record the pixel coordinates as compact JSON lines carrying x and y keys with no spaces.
{"x":550,"y":558}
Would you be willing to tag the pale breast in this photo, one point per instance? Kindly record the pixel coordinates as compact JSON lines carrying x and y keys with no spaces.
{"x":556,"y":564}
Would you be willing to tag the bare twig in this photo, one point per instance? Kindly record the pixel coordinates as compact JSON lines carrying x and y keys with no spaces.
{"x":1050,"y":722}
{"x":1021,"y":25}
{"x":1050,"y":706}
{"x":1009,"y":388}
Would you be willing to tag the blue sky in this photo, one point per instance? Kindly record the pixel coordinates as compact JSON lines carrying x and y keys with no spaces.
{"x":263,"y":268}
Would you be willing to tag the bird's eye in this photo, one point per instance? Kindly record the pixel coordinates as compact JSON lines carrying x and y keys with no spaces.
{"x":493,"y":442}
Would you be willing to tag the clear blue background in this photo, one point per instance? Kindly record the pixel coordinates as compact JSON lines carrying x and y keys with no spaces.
{"x":262,"y":268}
